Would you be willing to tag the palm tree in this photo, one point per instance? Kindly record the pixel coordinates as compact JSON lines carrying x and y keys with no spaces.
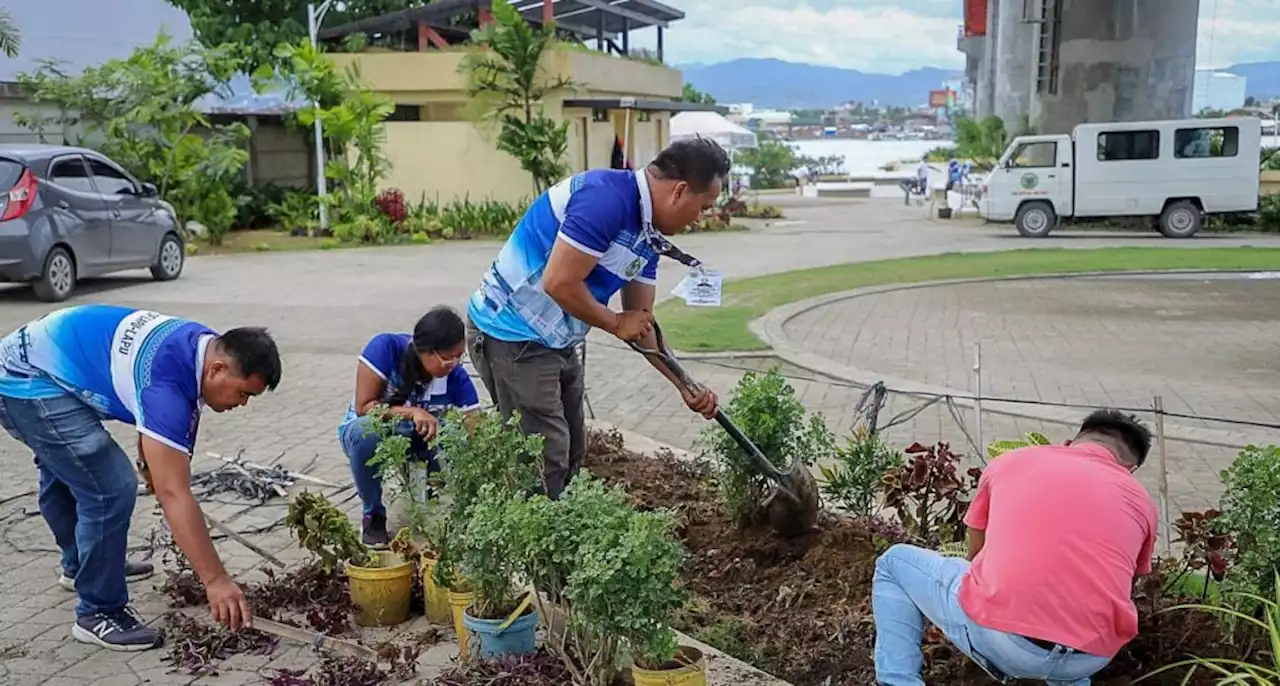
{"x":10,"y":38}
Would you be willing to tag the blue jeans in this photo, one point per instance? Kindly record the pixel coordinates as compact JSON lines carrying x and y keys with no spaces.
{"x":360,"y":440}
{"x":912,"y":583}
{"x":87,"y":490}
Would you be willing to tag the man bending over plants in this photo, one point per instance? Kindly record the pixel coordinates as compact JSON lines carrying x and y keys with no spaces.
{"x":60,"y":376}
{"x":585,"y":239}
{"x":419,"y":377}
{"x":1056,"y":536}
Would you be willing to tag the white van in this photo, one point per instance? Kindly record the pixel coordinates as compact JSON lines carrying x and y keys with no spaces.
{"x":1176,"y":171}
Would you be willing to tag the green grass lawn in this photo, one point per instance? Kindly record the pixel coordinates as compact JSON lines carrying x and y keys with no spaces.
{"x":725,"y":327}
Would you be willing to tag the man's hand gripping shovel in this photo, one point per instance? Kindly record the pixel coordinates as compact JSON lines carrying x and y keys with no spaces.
{"x":792,"y":503}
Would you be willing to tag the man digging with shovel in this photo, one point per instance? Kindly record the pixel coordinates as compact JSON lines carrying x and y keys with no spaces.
{"x":60,"y":377}
{"x":585,"y":239}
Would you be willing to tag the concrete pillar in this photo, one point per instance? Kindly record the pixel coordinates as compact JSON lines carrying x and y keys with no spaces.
{"x":1121,"y":60}
{"x":984,"y":90}
{"x":1014,"y":64}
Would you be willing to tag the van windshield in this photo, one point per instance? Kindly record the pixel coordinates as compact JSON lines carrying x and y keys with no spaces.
{"x":1038,"y":154}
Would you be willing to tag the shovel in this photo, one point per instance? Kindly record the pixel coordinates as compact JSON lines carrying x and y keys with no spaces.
{"x":792,"y":504}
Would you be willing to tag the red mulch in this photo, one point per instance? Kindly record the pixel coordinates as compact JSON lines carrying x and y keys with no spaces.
{"x":800,"y":609}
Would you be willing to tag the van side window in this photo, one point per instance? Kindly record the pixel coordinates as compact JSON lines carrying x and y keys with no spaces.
{"x":1220,"y":141}
{"x":1041,"y":154}
{"x":1115,"y":146}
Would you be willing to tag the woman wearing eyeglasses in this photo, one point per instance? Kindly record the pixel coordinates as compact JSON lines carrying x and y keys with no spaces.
{"x":419,"y":377}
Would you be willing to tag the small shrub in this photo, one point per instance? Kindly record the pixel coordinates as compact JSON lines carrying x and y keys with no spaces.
{"x":488,"y":552}
{"x":855,"y":479}
{"x":929,"y":494}
{"x":390,"y":203}
{"x":295,"y":210}
{"x":764,"y":406}
{"x":1251,"y":511}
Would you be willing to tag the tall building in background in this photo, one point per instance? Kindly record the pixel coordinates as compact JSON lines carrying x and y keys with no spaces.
{"x":1054,"y":64}
{"x":1218,"y":90}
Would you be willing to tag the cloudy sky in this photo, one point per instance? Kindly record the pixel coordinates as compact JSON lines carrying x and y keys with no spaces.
{"x":885,"y":36}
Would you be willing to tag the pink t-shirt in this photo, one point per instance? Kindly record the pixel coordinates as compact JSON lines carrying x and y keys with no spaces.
{"x":1067,"y":530}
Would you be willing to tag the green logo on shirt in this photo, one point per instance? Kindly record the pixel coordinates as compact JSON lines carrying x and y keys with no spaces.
{"x":634,"y":268}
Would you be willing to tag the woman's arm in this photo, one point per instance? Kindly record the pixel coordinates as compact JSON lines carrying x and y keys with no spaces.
{"x":369,"y":390}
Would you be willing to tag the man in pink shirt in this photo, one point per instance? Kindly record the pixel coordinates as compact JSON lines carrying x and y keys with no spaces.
{"x":1056,"y":536}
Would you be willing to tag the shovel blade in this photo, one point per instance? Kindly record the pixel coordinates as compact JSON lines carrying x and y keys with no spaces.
{"x":792,"y":505}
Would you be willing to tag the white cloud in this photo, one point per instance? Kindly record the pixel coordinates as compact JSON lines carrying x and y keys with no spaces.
{"x":884,"y":36}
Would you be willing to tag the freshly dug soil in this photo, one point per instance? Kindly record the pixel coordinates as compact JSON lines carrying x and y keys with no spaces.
{"x":800,"y":609}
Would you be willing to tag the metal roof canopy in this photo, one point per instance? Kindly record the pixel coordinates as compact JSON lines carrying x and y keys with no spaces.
{"x":586,"y":18}
{"x":614,"y":16}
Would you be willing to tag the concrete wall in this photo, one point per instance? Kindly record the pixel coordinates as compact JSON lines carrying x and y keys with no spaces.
{"x":279,"y":155}
{"x":1121,"y":60}
{"x":1015,"y":62}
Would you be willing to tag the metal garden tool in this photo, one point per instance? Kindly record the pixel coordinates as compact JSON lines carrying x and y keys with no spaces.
{"x":792,"y":503}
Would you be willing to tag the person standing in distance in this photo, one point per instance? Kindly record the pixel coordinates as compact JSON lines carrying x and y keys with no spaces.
{"x":585,"y":239}
{"x":60,"y":376}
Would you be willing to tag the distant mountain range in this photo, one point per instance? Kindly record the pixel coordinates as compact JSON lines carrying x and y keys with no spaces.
{"x":789,"y":85}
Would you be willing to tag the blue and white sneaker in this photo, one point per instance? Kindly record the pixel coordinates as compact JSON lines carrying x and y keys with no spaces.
{"x":123,"y":631}
{"x":133,"y":571}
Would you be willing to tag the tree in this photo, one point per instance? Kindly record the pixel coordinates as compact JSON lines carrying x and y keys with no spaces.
{"x":507,"y":85}
{"x":10,"y":37}
{"x":981,"y":141}
{"x":1250,"y":101}
{"x":258,"y":26}
{"x":140,"y":111}
{"x":771,"y":163}
{"x":692,"y":94}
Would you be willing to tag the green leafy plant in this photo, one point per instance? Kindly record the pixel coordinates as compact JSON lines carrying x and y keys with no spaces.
{"x":1251,"y":511}
{"x":325,"y":531}
{"x":997,"y":448}
{"x":981,"y":141}
{"x":294,"y":212}
{"x":1266,"y":671}
{"x":144,"y":117}
{"x":489,"y":552}
{"x":507,"y":84}
{"x":929,"y":494}
{"x":771,"y":163}
{"x":465,"y":218}
{"x":404,"y":482}
{"x":482,"y":450}
{"x":765,"y":407}
{"x":856,"y":477}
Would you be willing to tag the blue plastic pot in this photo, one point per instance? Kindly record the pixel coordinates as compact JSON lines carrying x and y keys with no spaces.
{"x":517,"y":639}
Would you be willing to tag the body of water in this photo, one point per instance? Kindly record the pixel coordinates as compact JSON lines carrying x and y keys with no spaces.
{"x":864,"y":156}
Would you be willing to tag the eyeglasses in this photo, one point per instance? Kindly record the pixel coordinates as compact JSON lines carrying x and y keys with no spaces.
{"x":449,"y":361}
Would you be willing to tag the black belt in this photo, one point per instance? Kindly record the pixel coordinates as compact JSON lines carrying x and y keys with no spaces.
{"x":1050,"y":645}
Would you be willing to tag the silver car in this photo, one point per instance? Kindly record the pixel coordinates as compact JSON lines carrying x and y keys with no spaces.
{"x":68,"y":213}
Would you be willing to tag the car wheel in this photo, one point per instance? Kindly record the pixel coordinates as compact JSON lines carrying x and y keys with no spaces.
{"x":1181,"y":219}
{"x":170,"y":260}
{"x":58,"y":278}
{"x":1035,"y":219}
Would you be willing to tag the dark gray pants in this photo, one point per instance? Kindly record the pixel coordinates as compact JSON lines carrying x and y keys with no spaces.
{"x":546,"y":386}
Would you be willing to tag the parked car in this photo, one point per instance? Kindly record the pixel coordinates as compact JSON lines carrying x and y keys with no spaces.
{"x":67,"y":213}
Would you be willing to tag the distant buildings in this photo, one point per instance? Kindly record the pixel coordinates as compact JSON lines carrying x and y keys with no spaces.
{"x":1217,"y":90}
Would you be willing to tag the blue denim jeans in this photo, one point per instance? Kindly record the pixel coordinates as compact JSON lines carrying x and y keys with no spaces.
{"x":87,"y":490}
{"x":360,"y":440}
{"x":911,"y":584}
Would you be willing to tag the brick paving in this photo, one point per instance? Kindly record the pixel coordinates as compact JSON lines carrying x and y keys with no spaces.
{"x":323,"y":306}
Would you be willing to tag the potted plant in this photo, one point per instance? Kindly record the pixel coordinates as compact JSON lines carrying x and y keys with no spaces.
{"x":624,"y":585}
{"x":380,"y":582}
{"x":481,"y":450}
{"x":488,"y":551}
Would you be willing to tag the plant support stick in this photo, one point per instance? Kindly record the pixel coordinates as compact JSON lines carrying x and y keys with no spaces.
{"x":1162,"y":464}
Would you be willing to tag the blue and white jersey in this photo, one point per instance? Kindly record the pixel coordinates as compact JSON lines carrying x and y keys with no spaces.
{"x":382,"y":356}
{"x":134,"y":366}
{"x":605,"y":213}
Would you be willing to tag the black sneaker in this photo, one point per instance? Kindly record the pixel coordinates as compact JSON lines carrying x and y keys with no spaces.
{"x":375,"y":531}
{"x":133,"y":571}
{"x":123,"y":631}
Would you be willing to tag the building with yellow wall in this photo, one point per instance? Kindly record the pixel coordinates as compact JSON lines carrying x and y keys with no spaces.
{"x":439,"y":152}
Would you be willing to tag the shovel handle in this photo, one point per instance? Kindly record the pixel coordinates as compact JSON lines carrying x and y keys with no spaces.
{"x":684,"y":382}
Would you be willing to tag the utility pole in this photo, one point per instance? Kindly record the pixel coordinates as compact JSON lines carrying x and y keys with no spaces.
{"x":314,"y":19}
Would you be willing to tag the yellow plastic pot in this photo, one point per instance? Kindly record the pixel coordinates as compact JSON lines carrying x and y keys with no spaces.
{"x":382,"y":593}
{"x":688,"y":669}
{"x":435,"y":597}
{"x":458,"y":604}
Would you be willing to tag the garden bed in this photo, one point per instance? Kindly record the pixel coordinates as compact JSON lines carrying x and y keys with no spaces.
{"x":801,"y":609}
